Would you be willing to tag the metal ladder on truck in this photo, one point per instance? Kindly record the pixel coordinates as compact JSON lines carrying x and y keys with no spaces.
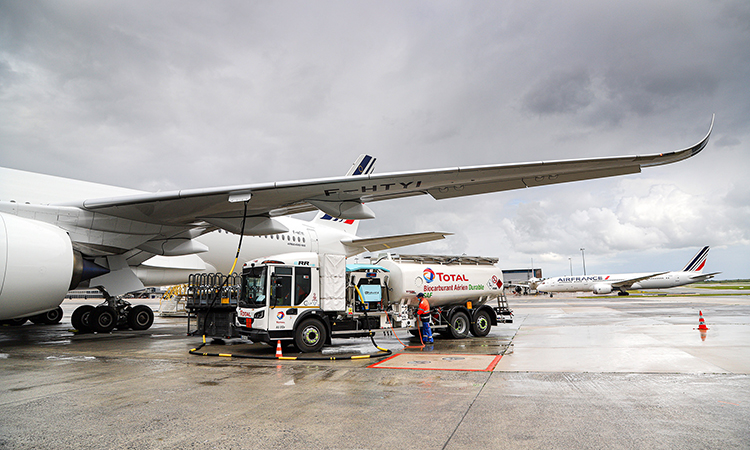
{"x":503,"y":311}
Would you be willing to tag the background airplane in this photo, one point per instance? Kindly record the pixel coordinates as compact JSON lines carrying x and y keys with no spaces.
{"x":525,"y":286}
{"x":58,"y":233}
{"x":605,"y":284}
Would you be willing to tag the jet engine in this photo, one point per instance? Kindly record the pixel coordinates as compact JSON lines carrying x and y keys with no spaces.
{"x":38,"y":266}
{"x":602,"y":288}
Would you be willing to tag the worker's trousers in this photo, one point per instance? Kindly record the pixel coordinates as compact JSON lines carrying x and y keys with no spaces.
{"x":426,"y":332}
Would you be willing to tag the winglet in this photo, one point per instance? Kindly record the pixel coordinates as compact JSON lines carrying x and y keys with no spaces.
{"x":679,"y":155}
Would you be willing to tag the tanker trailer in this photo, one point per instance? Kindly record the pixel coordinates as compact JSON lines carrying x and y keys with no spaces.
{"x":465,"y":292}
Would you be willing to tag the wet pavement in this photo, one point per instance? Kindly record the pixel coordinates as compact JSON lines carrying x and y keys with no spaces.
{"x":605,"y":372}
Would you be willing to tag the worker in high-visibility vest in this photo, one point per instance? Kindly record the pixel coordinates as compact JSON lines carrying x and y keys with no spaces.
{"x":423,"y":312}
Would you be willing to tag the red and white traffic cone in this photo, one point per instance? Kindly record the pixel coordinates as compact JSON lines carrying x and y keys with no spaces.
{"x":701,"y":322}
{"x":278,"y":349}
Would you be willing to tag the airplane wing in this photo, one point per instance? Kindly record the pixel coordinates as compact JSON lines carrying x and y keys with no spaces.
{"x":388,"y":242}
{"x":629,"y":282}
{"x":345,"y":197}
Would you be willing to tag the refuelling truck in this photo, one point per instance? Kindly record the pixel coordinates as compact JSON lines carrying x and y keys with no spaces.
{"x":306,"y":299}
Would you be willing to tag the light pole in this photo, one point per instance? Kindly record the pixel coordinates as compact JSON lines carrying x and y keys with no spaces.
{"x":571,"y":266}
{"x":584,"y":261}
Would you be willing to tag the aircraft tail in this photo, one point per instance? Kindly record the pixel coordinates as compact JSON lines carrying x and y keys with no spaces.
{"x":363,"y":165}
{"x":698,"y":261}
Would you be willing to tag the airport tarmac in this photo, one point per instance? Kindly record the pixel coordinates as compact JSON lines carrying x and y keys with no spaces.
{"x":605,"y":372}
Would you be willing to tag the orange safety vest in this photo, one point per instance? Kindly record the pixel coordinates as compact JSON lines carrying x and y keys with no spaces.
{"x":424,"y":307}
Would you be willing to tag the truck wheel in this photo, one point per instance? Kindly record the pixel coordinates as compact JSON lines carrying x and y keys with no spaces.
{"x":103,"y":319}
{"x":80,"y":318}
{"x":459,"y":326}
{"x":140,"y":317}
{"x":310,"y":335}
{"x":482,"y":324}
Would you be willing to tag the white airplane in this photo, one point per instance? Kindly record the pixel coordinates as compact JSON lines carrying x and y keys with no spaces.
{"x":57,"y":234}
{"x":525,"y":286}
{"x":605,"y":284}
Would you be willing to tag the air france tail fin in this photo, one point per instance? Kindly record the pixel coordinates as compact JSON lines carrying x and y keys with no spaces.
{"x":363,"y":165}
{"x":698,"y":261}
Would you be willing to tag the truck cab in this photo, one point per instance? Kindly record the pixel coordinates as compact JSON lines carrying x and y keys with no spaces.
{"x":275,"y":294}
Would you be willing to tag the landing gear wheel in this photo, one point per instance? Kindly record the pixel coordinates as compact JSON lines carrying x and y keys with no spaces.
{"x":459,"y":325}
{"x":15,"y":322}
{"x":140,"y":317}
{"x":622,"y":293}
{"x":103,"y":319}
{"x":482,"y":324}
{"x":310,"y":335}
{"x":50,"y":317}
{"x":80,"y":318}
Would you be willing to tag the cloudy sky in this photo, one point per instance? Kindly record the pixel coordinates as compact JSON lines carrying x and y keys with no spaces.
{"x":181,"y":94}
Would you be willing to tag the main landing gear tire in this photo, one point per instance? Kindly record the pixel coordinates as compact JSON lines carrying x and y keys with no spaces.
{"x":50,"y":317}
{"x":80,"y":318}
{"x":459,"y":325}
{"x":103,"y":319}
{"x":482,"y":324}
{"x":14,"y":322}
{"x":140,"y":317}
{"x":310,"y":335}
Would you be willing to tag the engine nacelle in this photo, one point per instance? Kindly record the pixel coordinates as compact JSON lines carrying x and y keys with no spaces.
{"x":602,"y":288}
{"x":36,"y":266}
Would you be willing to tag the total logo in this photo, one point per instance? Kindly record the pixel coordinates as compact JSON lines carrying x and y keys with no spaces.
{"x":280,"y":315}
{"x":429,"y":276}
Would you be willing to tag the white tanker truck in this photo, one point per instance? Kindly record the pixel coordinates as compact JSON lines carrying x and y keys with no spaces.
{"x":307,"y":299}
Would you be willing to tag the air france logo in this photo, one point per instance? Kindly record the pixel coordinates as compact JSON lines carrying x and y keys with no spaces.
{"x":280,"y":315}
{"x":428,"y":275}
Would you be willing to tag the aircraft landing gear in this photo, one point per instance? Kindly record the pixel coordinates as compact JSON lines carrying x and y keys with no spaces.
{"x":113,"y":313}
{"x":623,"y":293}
{"x":51,"y":317}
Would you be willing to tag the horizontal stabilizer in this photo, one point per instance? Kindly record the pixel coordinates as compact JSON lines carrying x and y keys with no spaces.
{"x":388,"y":242}
{"x":704,"y":276}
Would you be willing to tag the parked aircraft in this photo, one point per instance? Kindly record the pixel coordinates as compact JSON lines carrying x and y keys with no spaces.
{"x":605,"y":284}
{"x":525,"y":286}
{"x":56,"y":233}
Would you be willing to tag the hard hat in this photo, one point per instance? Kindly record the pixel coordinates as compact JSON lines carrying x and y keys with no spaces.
{"x":420,"y":295}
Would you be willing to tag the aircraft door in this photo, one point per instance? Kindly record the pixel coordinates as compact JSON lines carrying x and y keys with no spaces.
{"x":312,"y":235}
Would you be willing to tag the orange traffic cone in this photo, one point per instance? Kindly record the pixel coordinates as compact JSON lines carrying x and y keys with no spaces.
{"x":278,"y":349}
{"x":701,"y":322}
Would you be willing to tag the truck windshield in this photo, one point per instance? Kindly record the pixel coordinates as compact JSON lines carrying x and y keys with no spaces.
{"x":253,"y":288}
